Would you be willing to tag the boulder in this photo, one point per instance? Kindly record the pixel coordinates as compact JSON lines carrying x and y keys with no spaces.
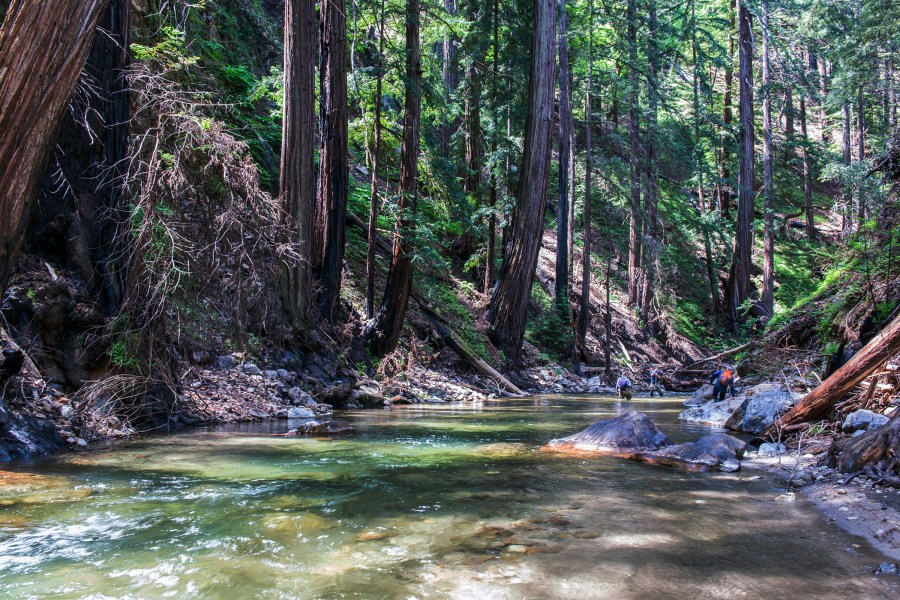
{"x":700,"y":396}
{"x":300,"y":412}
{"x":321,"y":428}
{"x":862,"y":420}
{"x":336,"y":394}
{"x":227,"y":361}
{"x":250,"y":369}
{"x":258,"y":413}
{"x":630,"y":431}
{"x":770,"y":449}
{"x":715,"y":413}
{"x":753,"y":410}
{"x":298,"y":397}
{"x":712,"y":452}
{"x":368,"y":395}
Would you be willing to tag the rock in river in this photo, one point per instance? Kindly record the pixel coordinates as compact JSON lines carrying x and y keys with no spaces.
{"x":627,"y":432}
{"x":321,"y":428}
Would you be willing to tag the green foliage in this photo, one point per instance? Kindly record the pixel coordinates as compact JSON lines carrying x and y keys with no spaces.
{"x":546,"y":330}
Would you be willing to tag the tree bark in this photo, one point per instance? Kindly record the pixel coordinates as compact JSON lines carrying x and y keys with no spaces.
{"x":491,"y":250}
{"x":634,"y":221}
{"x":450,"y":78}
{"x":508,"y":307}
{"x":584,"y":313}
{"x":818,"y":402}
{"x":41,"y":57}
{"x":472,"y":109}
{"x":374,"y":200}
{"x":727,"y":116}
{"x":331,"y":211}
{"x":861,"y":122}
{"x":562,"y":207}
{"x":298,"y":185}
{"x":768,"y":292}
{"x":651,"y":196}
{"x":384,"y":333}
{"x":845,"y":133}
{"x":739,"y":276}
{"x":807,"y":175}
{"x":823,"y":106}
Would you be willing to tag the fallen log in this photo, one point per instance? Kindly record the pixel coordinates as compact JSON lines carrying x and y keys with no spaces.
{"x":715,"y":357}
{"x":819,"y":401}
{"x":879,"y":447}
{"x":452,"y":340}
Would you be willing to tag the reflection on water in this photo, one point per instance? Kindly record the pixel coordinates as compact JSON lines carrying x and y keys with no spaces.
{"x":423,"y":502}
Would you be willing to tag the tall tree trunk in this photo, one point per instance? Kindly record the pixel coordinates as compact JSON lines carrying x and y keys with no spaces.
{"x":562,"y":207}
{"x":472,"y":108}
{"x":374,"y":200}
{"x":807,"y":175}
{"x":892,"y":94}
{"x":508,"y":308}
{"x":384,"y":333}
{"x":739,"y":276}
{"x":570,"y":236}
{"x":584,"y":314}
{"x":861,"y":122}
{"x":823,"y":105}
{"x":727,"y":116}
{"x":768,"y":292}
{"x":298,"y":185}
{"x":652,"y":194}
{"x":634,"y":221}
{"x":492,"y":219}
{"x":450,"y":77}
{"x":331,"y":211}
{"x":41,"y":56}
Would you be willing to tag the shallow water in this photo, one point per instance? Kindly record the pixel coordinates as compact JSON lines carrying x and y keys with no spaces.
{"x":434,"y":501}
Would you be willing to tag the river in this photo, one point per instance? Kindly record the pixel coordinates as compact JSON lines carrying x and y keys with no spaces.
{"x":425,"y":501}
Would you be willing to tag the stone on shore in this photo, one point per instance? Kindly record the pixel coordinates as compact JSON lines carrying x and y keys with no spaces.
{"x":863,"y":420}
{"x":753,"y":410}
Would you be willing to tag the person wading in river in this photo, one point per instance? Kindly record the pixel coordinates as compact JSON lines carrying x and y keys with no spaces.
{"x":655,"y":373}
{"x":722,"y":380}
{"x":623,"y":386}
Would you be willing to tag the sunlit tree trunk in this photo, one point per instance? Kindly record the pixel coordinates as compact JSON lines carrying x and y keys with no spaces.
{"x":508,"y":307}
{"x":562,"y":207}
{"x":727,"y":116}
{"x":331,"y":211}
{"x":298,"y":185}
{"x":768,"y":292}
{"x":42,"y":53}
{"x":492,"y":219}
{"x":807,"y":175}
{"x":375,"y":200}
{"x":449,"y":76}
{"x":384,"y":333}
{"x":651,"y":197}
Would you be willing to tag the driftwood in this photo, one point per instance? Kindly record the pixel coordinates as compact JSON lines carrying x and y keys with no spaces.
{"x":462,"y":349}
{"x":818,"y":402}
{"x":878,"y":448}
{"x":715,"y":357}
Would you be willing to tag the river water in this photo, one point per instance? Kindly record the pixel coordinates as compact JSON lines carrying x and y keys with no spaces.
{"x":427,"y":501}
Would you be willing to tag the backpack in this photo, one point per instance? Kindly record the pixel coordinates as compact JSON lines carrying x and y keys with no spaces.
{"x":725,"y":378}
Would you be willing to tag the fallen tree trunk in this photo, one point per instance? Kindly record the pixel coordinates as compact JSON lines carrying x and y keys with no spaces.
{"x":878,"y":448}
{"x":818,"y":402}
{"x":453,"y":341}
{"x":716,"y":357}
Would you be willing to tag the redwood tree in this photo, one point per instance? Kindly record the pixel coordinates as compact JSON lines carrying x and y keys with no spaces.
{"x":297,"y":185}
{"x":331,"y":209}
{"x":562,"y":207}
{"x":768,"y":297}
{"x":42,"y":53}
{"x":374,"y":202}
{"x":584,"y":312}
{"x":634,"y":221}
{"x":508,"y":307}
{"x":384,"y":332}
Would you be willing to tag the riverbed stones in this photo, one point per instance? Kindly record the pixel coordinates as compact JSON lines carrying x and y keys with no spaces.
{"x":298,"y":397}
{"x":715,"y":451}
{"x":368,"y":395}
{"x":300,"y":412}
{"x":250,"y":369}
{"x":768,"y":449}
{"x":753,"y":410}
{"x":863,"y":420}
{"x":227,"y":361}
{"x":629,"y":431}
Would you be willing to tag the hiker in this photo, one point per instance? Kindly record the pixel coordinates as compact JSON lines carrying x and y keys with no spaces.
{"x":655,"y":373}
{"x":623,"y":386}
{"x":722,"y":379}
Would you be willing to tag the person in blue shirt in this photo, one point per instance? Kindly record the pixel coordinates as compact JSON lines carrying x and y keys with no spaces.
{"x":624,"y":387}
{"x":722,"y":380}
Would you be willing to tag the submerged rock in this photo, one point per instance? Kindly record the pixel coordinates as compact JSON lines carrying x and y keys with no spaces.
{"x":321,"y":428}
{"x":630,"y":431}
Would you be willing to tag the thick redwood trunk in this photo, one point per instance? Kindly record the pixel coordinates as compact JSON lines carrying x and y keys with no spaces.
{"x":508,"y":308}
{"x":651,"y":196}
{"x":449,"y":75}
{"x":562,"y":207}
{"x":491,"y":249}
{"x":739,"y":276}
{"x":298,"y":185}
{"x":374,"y":199}
{"x":584,"y":313}
{"x":634,"y":221}
{"x":874,"y":354}
{"x":845,"y":133}
{"x":42,"y":53}
{"x":384,"y":333}
{"x":861,"y":123}
{"x":331,"y":210}
{"x":472,"y":109}
{"x":768,"y":291}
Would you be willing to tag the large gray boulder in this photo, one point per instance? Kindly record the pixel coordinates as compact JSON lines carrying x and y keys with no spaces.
{"x":627,"y":432}
{"x":863,"y":420}
{"x":321,"y":428}
{"x":713,"y":452}
{"x":715,"y":413}
{"x":752,"y":411}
